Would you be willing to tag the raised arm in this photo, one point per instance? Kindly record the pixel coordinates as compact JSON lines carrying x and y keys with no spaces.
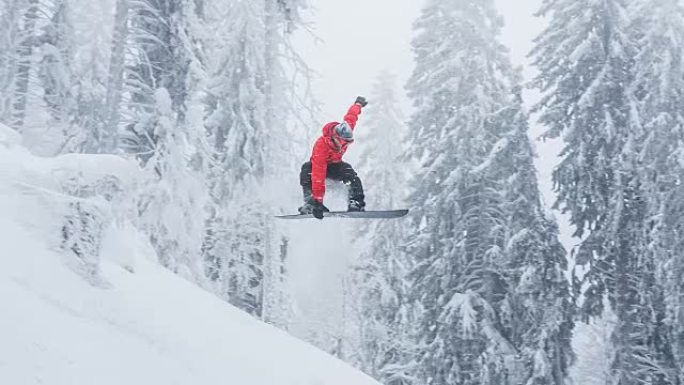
{"x":354,"y":111}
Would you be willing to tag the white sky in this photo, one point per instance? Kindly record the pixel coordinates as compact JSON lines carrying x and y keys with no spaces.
{"x":359,"y":39}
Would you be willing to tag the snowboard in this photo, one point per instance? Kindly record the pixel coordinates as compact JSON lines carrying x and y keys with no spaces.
{"x":376,"y":214}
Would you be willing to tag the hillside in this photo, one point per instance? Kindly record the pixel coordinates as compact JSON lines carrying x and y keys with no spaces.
{"x":121,"y":318}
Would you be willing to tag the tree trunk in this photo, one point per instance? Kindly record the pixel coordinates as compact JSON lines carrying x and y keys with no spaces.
{"x":24,"y":53}
{"x":108,"y":137}
{"x":9,"y":26}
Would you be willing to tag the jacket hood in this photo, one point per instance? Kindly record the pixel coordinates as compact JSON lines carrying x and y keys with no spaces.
{"x":328,"y":129}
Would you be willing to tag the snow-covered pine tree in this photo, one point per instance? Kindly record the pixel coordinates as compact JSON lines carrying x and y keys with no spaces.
{"x":154,"y":96}
{"x":277,"y":304}
{"x":35,"y":68}
{"x":480,"y":267}
{"x":107,"y":130}
{"x":54,"y":49}
{"x":24,"y":62}
{"x":380,"y":276}
{"x":90,"y":206}
{"x":171,"y":203}
{"x":586,"y":63}
{"x":658,"y":91}
{"x":9,"y":40}
{"x":281,"y":83}
{"x":536,"y":314}
{"x":233,"y":245}
{"x":67,"y":114}
{"x":82,"y":237}
{"x":71,"y":53}
{"x":246,"y":119}
{"x":383,"y":143}
{"x":161,"y":62}
{"x":54,"y":70}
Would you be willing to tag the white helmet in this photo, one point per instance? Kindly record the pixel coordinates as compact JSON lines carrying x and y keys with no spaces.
{"x":344,"y":132}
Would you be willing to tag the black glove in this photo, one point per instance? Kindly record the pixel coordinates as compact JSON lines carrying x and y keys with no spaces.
{"x":319,"y":209}
{"x":360,"y":100}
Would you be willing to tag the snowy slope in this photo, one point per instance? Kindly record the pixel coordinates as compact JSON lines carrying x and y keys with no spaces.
{"x":136,"y":323}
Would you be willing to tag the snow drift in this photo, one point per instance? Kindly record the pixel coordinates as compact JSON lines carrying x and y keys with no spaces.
{"x":109,"y":313}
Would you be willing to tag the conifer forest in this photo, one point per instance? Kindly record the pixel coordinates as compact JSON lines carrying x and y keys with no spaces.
{"x":174,"y":132}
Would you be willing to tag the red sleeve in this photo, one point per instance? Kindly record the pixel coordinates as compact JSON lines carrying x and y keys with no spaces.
{"x":319,"y":168}
{"x":353,"y":115}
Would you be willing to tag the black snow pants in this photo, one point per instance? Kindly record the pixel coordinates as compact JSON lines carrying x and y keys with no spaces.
{"x":341,"y":172}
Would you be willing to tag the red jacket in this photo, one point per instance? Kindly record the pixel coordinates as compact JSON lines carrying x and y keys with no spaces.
{"x":326,"y":152}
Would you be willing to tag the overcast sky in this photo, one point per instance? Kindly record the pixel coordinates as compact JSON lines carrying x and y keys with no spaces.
{"x":360,"y":38}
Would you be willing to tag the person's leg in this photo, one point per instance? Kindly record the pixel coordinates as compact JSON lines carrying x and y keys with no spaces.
{"x":345,"y":172}
{"x":305,"y":182}
{"x":335,"y":172}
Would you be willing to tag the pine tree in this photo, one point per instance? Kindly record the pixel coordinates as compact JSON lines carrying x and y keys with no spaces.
{"x":233,"y":245}
{"x":161,"y":63}
{"x":90,"y":38}
{"x":586,"y":61}
{"x":658,"y":92}
{"x":54,"y":66}
{"x":82,"y":237}
{"x":10,"y":38}
{"x":170,"y":204}
{"x":24,"y":57}
{"x":383,"y":144}
{"x":277,"y":305}
{"x":107,"y":131}
{"x":37,"y":80}
{"x":139,"y":91}
{"x":90,"y":206}
{"x":496,"y":307}
{"x":59,"y":81}
{"x":50,"y":79}
{"x":381,"y":274}
{"x":246,"y":123}
{"x":536,"y":314}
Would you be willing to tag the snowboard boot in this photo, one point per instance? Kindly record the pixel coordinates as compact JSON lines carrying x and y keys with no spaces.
{"x":307,"y":208}
{"x":356,"y":206}
{"x":310,"y":207}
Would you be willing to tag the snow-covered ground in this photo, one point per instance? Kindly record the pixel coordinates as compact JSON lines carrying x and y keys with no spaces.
{"x":133,"y":322}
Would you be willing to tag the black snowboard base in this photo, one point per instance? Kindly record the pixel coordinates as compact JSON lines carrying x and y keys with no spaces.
{"x":376,"y":214}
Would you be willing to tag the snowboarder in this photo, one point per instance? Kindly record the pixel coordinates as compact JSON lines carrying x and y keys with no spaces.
{"x":326,"y":162}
